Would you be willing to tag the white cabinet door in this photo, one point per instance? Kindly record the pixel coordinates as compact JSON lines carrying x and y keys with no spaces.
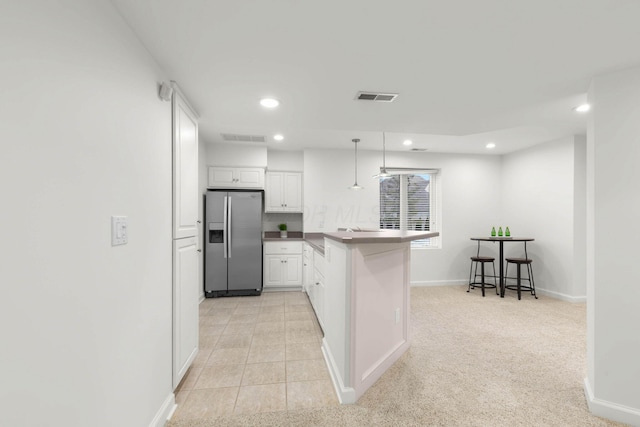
{"x":293,"y":270}
{"x":273,"y":270}
{"x":185,"y":306}
{"x":292,"y":192}
{"x":274,"y":197}
{"x":318,"y":297}
{"x":250,"y":178}
{"x":185,"y":169}
{"x":221,"y":177}
{"x":307,"y":269}
{"x":282,"y":270}
{"x":283,"y":192}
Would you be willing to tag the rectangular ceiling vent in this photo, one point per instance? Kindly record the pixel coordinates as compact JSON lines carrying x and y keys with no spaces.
{"x":233,"y":137}
{"x":418,"y":149}
{"x":376,"y":96}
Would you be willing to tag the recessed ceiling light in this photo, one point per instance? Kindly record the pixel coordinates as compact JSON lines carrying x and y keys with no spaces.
{"x":491,"y":145}
{"x":407,"y":142}
{"x":583,"y":108}
{"x":278,"y":137}
{"x":269,"y":102}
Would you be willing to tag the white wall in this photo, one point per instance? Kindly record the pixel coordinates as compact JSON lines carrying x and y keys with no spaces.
{"x":580,"y":218}
{"x":538,"y":201}
{"x":236,"y":155}
{"x":470,"y":187}
{"x":613,"y":202}
{"x":85,"y":327}
{"x":288,"y":161}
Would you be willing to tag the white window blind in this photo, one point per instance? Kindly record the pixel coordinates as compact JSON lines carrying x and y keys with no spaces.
{"x":408,"y":202}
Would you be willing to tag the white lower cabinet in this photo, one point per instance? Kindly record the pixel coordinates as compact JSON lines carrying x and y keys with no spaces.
{"x":307,"y":269}
{"x":282,"y":264}
{"x":185,"y":306}
{"x":318,"y":287}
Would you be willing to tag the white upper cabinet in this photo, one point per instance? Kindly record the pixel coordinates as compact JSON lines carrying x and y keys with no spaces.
{"x":223,"y":177}
{"x":185,"y":169}
{"x":283,"y":192}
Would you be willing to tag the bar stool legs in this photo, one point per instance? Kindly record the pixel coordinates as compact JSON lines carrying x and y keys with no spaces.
{"x":519,"y":262}
{"x":473,"y":282}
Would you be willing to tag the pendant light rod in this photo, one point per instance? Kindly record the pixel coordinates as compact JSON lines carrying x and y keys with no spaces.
{"x":384,"y":153}
{"x":383,"y":172}
{"x":355,"y":185}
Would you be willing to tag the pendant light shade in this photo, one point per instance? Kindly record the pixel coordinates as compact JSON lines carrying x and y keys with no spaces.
{"x":383,"y":171}
{"x":355,"y":185}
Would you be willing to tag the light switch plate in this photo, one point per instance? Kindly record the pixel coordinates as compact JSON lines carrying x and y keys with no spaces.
{"x":119,"y":231}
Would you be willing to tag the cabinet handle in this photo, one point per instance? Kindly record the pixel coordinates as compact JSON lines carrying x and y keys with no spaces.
{"x":317,"y":283}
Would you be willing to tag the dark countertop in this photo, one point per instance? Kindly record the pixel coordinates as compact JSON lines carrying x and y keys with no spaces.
{"x":383,"y":236}
{"x":273,"y":236}
{"x":316,"y":241}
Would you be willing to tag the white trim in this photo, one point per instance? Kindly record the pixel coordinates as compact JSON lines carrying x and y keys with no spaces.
{"x":563,"y":297}
{"x":165,"y":412}
{"x":421,"y":283}
{"x":177,"y":90}
{"x":267,"y":289}
{"x":552,"y":294}
{"x":345,"y":394}
{"x":610,"y":410}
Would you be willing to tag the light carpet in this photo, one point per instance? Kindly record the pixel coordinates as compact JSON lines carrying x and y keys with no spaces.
{"x":473,"y":361}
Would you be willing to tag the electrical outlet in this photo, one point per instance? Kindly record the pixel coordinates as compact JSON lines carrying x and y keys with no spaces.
{"x":397,"y":315}
{"x":119,"y":232}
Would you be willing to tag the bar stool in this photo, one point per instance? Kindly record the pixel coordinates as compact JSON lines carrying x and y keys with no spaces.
{"x":482,"y":260}
{"x":519,"y":262}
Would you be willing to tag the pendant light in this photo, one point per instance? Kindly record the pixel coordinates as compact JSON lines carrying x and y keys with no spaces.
{"x":383,"y":172}
{"x":355,"y":185}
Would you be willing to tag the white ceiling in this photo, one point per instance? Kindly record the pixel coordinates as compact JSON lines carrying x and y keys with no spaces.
{"x":467,"y":71}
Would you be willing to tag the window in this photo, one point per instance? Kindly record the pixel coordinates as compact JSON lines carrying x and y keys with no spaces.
{"x":408,"y":202}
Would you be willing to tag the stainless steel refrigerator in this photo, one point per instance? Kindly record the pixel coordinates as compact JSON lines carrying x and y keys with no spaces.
{"x":233,"y":247}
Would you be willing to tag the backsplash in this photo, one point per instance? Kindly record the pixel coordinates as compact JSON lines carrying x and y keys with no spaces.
{"x":270,"y":221}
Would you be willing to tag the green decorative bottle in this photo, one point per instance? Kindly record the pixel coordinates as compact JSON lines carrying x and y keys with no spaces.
{"x":499,"y":231}
{"x":507,"y":233}
{"x":493,"y":232}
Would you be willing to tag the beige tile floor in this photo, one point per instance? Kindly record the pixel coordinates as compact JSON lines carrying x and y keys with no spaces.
{"x":257,"y":354}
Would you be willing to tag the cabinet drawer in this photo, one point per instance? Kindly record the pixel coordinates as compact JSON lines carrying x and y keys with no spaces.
{"x":275,"y":248}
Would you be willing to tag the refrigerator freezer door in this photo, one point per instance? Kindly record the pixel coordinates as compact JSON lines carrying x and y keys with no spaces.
{"x":245,"y":243}
{"x":216,"y":242}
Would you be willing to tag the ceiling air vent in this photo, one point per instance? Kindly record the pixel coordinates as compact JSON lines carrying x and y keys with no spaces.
{"x":376,"y":96}
{"x":418,"y":149}
{"x":233,"y":137}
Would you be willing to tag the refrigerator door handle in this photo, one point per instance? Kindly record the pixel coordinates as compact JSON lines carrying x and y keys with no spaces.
{"x":229,"y":233}
{"x":224,"y":229}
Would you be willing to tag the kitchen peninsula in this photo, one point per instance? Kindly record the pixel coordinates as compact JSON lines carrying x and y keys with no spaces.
{"x":366,"y":305}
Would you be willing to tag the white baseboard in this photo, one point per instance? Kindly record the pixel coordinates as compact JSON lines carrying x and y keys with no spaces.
{"x":560,"y":296}
{"x":345,"y":395}
{"x":552,"y":294}
{"x":165,"y":412}
{"x":610,"y":410}
{"x":267,"y":289}
{"x":439,"y":283}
